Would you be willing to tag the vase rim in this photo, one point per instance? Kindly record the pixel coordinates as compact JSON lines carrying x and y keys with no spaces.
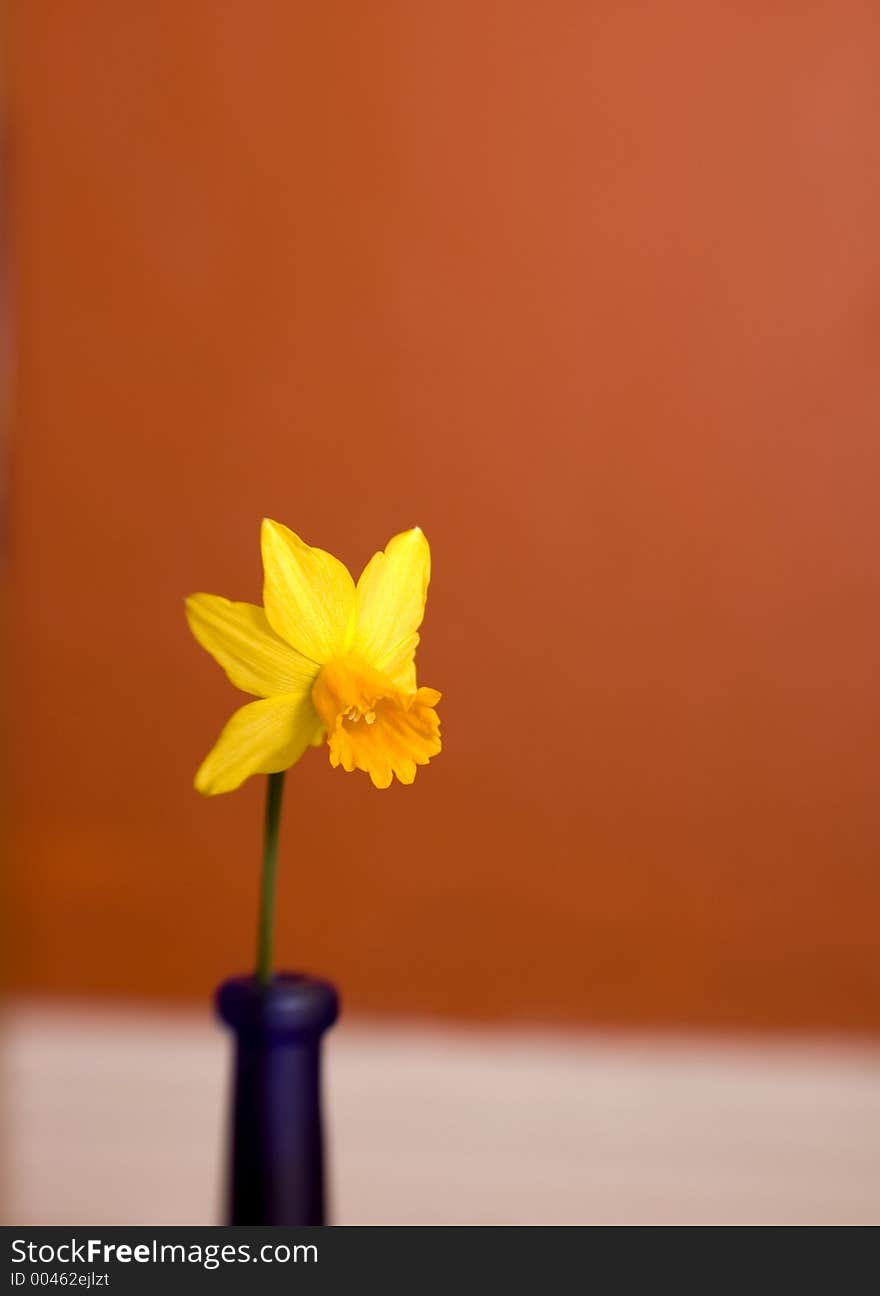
{"x":292,"y":1005}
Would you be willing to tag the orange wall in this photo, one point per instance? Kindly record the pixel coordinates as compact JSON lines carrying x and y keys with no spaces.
{"x":590,"y":291}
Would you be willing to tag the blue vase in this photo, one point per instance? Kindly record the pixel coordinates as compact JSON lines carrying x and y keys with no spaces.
{"x":276,"y":1172}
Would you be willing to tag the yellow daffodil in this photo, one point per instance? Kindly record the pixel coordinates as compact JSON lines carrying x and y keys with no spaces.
{"x":329,"y":661}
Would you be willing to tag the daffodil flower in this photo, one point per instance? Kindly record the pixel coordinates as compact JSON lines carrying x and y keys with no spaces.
{"x":329,"y":661}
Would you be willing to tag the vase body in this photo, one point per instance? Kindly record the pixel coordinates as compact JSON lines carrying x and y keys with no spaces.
{"x":276,"y":1167}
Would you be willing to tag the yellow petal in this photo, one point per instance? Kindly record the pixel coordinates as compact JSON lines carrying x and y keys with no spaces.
{"x":260,"y":738}
{"x":239,"y":637}
{"x":391,"y":597}
{"x":308,"y":594}
{"x":400,"y":666}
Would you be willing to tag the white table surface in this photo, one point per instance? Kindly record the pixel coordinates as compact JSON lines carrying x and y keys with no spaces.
{"x":116,"y":1117}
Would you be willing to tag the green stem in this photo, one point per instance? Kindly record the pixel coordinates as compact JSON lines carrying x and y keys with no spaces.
{"x":274,"y":792}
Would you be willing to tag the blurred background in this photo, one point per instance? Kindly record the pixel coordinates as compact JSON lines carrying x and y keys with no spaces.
{"x":591,"y":292}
